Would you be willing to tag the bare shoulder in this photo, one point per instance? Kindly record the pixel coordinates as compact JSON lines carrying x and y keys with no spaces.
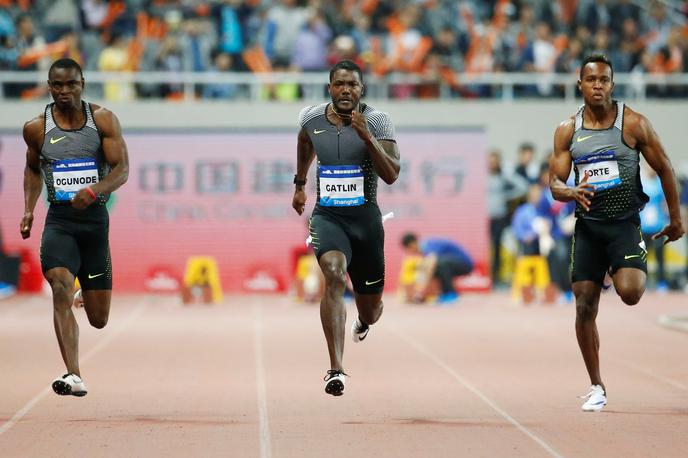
{"x":564,"y":130}
{"x":105,"y":120}
{"x":33,"y":128}
{"x":634,"y":119}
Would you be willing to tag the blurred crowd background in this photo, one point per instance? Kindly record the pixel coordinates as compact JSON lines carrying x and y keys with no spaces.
{"x":439,"y":41}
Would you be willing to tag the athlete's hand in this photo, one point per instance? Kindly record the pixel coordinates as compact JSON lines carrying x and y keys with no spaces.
{"x":583,"y":193}
{"x":82,"y":199}
{"x":25,"y":225}
{"x":299,"y":200}
{"x":360,"y":125}
{"x":672,"y":231}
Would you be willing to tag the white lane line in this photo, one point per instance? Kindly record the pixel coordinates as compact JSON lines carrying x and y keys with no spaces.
{"x":92,"y":352}
{"x":263,"y":420}
{"x":650,"y":374}
{"x":420,"y":348}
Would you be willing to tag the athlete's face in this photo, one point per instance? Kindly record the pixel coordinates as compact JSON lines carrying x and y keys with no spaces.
{"x":345,"y":89}
{"x":596,"y":85}
{"x":66,"y":85}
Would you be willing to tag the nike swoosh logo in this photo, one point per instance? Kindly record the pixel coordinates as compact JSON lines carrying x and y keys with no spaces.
{"x":629,"y":256}
{"x":368,"y":283}
{"x":582,"y":139}
{"x":91,"y":277}
{"x":55,"y":140}
{"x":316,"y":131}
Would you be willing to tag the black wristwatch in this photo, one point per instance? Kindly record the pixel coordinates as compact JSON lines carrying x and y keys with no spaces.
{"x":299,"y":182}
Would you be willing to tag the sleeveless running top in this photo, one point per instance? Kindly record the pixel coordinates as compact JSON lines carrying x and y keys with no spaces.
{"x":612,"y":167}
{"x":346,"y":178}
{"x":72,"y":159}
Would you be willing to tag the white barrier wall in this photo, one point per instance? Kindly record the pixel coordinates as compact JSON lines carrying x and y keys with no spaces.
{"x":507,"y":123}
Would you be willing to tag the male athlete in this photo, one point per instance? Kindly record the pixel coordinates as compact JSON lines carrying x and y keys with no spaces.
{"x":354,"y":144}
{"x":603,"y":142}
{"x":78,"y":149}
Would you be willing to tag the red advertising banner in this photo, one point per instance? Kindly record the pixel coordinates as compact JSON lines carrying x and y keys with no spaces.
{"x":228,"y":196}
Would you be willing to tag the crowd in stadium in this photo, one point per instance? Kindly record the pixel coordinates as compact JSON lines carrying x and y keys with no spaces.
{"x":437,"y":40}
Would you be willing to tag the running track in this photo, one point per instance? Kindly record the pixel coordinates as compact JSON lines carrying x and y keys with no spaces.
{"x":244,"y":379}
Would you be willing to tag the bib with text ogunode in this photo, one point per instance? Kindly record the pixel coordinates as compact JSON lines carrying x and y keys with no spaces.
{"x":72,"y":175}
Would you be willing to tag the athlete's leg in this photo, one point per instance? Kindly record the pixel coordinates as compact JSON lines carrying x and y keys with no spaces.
{"x":97,"y":306}
{"x":332,"y":309}
{"x":587,"y":301}
{"x":369,"y":307}
{"x":66,"y":328}
{"x":630,"y":283}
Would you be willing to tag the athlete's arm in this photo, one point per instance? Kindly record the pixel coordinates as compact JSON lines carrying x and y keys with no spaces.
{"x":383,"y":153}
{"x":648,"y":143}
{"x":33,"y":184}
{"x":305,"y":153}
{"x":560,"y":168}
{"x":116,"y":155}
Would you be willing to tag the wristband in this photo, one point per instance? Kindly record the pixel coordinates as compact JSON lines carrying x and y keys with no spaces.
{"x":299,"y":182}
{"x":90,"y":191}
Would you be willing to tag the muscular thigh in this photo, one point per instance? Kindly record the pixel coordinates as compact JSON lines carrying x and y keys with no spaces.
{"x":589,"y":260}
{"x":625,"y":247}
{"x":367,"y":266}
{"x":329,"y":234}
{"x":59,"y":246}
{"x":94,"y":249}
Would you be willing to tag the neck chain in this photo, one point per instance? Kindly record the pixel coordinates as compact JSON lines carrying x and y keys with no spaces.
{"x":340,"y":115}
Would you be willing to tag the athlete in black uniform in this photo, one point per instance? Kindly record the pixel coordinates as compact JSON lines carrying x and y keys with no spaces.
{"x":354,"y":145}
{"x":603,"y":141}
{"x":79,"y":150}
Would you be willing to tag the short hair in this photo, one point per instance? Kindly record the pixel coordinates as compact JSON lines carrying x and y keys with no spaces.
{"x":346,"y":65}
{"x":408,"y":239}
{"x":601,"y":58}
{"x":66,"y":63}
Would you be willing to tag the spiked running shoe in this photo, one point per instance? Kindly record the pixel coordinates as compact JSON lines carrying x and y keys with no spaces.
{"x":359,"y":331}
{"x":334,"y":382}
{"x":596,"y":399}
{"x":69,"y":384}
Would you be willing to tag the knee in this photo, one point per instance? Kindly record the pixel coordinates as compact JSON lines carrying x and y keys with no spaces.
{"x":98,"y":322}
{"x":585,"y":311}
{"x":631,"y":296}
{"x":335,"y":276}
{"x":62,"y":290}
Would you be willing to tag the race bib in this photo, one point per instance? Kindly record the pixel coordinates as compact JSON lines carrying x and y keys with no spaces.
{"x":601,"y":168}
{"x":341,"y":185}
{"x":72,"y":175}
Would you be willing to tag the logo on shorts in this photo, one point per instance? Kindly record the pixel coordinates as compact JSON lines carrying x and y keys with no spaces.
{"x":91,"y":277}
{"x":368,"y":283}
{"x":629,"y":256}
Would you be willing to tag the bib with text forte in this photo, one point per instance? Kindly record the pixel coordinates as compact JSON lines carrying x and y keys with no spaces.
{"x":341,"y":185}
{"x":601,"y":168}
{"x":72,"y":175}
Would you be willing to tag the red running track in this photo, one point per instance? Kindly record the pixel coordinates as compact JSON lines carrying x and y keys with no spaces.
{"x":244,"y":379}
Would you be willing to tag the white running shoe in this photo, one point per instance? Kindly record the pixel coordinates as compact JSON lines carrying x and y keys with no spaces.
{"x":359,"y":331}
{"x":597,"y":399}
{"x":69,"y":384}
{"x":334,"y":382}
{"x":78,"y":301}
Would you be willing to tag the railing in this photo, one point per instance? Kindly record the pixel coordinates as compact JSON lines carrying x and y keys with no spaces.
{"x":502,"y":86}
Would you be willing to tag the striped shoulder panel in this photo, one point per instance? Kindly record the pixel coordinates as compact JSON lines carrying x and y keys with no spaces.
{"x":618,"y":122}
{"x":579,"y":119}
{"x":90,"y":121}
{"x":381,"y":123}
{"x":310,"y":112}
{"x":49,"y":121}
